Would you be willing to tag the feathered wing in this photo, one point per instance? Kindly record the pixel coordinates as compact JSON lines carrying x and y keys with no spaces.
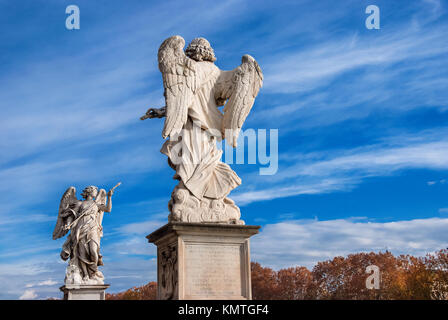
{"x":179,"y":81}
{"x":240,"y":86}
{"x":68,"y":198}
{"x":101,"y":201}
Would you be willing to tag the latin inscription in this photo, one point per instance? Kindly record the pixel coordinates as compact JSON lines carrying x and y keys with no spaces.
{"x":213,"y":270}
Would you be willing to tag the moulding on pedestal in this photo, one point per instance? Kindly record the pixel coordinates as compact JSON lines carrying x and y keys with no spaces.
{"x":84,"y":292}
{"x":203,"y":261}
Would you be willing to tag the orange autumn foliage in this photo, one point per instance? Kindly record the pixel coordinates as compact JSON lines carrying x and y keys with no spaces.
{"x":146,"y":292}
{"x":344,"y":278}
{"x":402,"y":277}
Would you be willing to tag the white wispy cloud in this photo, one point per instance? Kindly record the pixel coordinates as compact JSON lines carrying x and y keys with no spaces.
{"x":31,"y":267}
{"x":294,"y":189}
{"x":31,"y":218}
{"x":131,"y":237}
{"x":145,"y":226}
{"x":350,"y":75}
{"x":39,"y":270}
{"x":48,"y":282}
{"x":313,"y":67}
{"x":41,"y":276}
{"x":29,"y":294}
{"x":305,"y":242}
{"x":341,"y":170}
{"x":432,"y":183}
{"x":433,"y":155}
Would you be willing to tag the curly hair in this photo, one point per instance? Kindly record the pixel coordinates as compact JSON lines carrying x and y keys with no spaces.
{"x":90,"y":190}
{"x":199,"y":49}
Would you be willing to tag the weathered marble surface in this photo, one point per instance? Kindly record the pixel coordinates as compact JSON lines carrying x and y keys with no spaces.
{"x":84,"y":292}
{"x":203,"y":261}
{"x":195,"y":88}
{"x":212,"y":269}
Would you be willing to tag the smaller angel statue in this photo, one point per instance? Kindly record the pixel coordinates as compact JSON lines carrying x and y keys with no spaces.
{"x":83,"y":218}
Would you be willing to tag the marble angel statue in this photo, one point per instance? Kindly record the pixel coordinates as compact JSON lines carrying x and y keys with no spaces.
{"x":83,"y":218}
{"x":195,"y":89}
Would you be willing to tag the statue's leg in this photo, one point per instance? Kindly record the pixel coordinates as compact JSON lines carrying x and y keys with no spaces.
{"x":93,"y":251}
{"x":82,"y":252}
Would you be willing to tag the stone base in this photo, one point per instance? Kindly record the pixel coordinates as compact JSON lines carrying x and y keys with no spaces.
{"x":84,"y":291}
{"x":203,"y":261}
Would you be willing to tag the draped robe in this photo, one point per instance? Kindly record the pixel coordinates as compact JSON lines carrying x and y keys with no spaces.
{"x":86,"y":229}
{"x":193,"y":153}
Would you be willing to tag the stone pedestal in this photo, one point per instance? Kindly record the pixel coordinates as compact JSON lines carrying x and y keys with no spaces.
{"x":84,"y":292}
{"x":203,"y":261}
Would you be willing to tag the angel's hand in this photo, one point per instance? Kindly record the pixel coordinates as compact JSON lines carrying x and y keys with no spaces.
{"x":67,"y":227}
{"x":154,"y":113}
{"x":110,"y":193}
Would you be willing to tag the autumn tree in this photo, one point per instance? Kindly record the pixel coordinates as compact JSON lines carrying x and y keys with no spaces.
{"x":401,"y":277}
{"x":437,"y":264}
{"x":294,"y":284}
{"x":146,"y":292}
{"x":345,"y":278}
{"x":264,"y":282}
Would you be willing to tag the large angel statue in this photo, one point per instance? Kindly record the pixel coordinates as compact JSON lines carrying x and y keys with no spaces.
{"x":195,"y":89}
{"x":83,"y":218}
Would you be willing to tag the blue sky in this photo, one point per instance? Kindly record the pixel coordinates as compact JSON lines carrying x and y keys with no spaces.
{"x":362,"y":119}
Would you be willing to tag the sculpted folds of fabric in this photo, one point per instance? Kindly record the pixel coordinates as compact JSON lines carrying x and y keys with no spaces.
{"x":195,"y":89}
{"x":83,"y":219}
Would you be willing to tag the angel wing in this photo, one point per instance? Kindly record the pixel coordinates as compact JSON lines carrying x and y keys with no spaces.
{"x":179,"y":81}
{"x":68,"y":198}
{"x":240,"y":86}
{"x":101,"y":200}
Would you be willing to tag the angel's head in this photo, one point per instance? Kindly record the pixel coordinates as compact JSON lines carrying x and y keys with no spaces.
{"x":90,"y":191}
{"x":200,"y":49}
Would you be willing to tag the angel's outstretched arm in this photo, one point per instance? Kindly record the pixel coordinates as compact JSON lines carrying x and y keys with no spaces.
{"x":108,"y":206}
{"x":154,"y":113}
